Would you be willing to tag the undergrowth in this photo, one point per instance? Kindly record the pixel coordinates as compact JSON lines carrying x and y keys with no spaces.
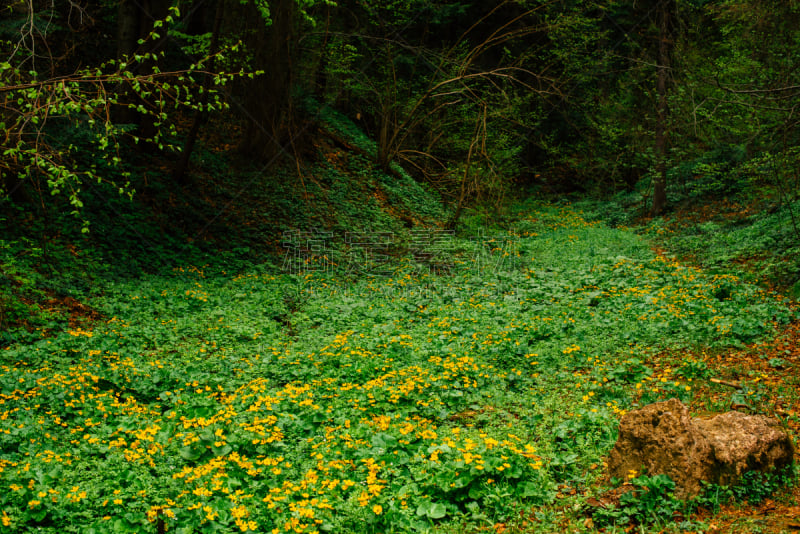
{"x":409,"y":381}
{"x":284,"y":351}
{"x":725,"y":213}
{"x":651,"y":501}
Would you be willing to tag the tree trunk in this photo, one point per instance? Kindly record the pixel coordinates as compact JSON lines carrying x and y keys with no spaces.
{"x":662,"y":107}
{"x":134,"y":22}
{"x":267,"y":97}
{"x":179,"y":173}
{"x":152,"y":10}
{"x":387,"y":134}
{"x":385,"y":131}
{"x":128,"y":19}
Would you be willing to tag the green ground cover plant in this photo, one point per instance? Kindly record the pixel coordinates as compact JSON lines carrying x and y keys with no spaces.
{"x":430,"y":390}
{"x":650,"y":500}
{"x":755,"y":229}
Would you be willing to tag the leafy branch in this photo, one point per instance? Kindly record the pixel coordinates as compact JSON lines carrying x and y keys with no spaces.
{"x":89,"y":99}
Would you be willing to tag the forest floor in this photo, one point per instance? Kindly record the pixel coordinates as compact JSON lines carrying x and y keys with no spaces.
{"x":471,"y":387}
{"x":411,"y":380}
{"x":775,"y":359}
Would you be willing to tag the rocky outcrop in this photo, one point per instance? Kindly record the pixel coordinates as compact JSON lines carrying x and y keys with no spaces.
{"x":662,"y":438}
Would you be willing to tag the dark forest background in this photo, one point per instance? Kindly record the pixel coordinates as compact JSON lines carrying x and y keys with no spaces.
{"x":157,"y":126}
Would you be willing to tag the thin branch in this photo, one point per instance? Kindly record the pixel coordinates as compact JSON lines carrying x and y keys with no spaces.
{"x":757,"y":91}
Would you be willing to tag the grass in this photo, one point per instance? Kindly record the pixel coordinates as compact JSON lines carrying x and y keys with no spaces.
{"x":399,"y":384}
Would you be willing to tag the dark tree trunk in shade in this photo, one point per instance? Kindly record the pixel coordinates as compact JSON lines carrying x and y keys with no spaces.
{"x":267,"y":97}
{"x":135,"y":20}
{"x":152,"y":11}
{"x":128,"y":23}
{"x":179,"y":173}
{"x":665,"y":15}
